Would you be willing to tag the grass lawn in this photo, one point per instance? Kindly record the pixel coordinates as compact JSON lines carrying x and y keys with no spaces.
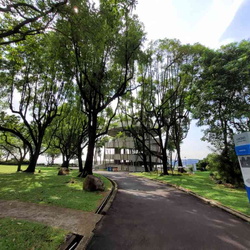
{"x":200,"y":183}
{"x":43,"y":188}
{"x":21,"y":234}
{"x":49,"y":188}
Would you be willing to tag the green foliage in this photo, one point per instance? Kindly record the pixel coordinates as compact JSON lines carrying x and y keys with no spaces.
{"x":220,"y":100}
{"x":202,"y":184}
{"x":202,"y":164}
{"x":225,"y":168}
{"x":32,"y":85}
{"x":229,"y":168}
{"x":212,"y":162}
{"x":13,"y":147}
{"x":51,"y":154}
{"x":98,"y":47}
{"x":221,"y":91}
{"x":49,"y":188}
{"x":68,"y":132}
{"x":21,"y":234}
{"x":159,"y":110}
{"x":20,"y":19}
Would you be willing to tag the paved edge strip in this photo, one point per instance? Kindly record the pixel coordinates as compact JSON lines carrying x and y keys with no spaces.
{"x":103,"y":209}
{"x":110,"y":198}
{"x":206,"y":200}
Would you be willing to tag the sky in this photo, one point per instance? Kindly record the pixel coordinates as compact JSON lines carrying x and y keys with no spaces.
{"x":210,"y":22}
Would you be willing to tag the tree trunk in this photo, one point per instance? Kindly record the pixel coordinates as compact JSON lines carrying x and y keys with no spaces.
{"x":179,"y":160}
{"x":79,"y":157}
{"x":144,"y":154}
{"x":35,"y":154}
{"x":33,"y":161}
{"x":88,"y":167}
{"x":165,"y":162}
{"x":65,"y":163}
{"x":150,"y":164}
{"x":52,"y":160}
{"x":225,"y":138}
{"x":150,"y":158}
{"x":145,"y":163}
{"x":19,"y":166}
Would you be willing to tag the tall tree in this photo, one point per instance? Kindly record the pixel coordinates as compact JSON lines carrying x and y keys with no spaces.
{"x":222,"y":90}
{"x":51,"y":154}
{"x":133,"y":113}
{"x":14,"y":147}
{"x":100,"y":45}
{"x":32,"y":85}
{"x":222,"y":99}
{"x":161,"y":107}
{"x":69,"y":133}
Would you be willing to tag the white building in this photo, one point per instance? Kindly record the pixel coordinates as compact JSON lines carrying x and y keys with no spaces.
{"x":120,"y":154}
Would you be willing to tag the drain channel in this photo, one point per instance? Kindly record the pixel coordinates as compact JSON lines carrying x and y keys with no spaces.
{"x":72,"y":242}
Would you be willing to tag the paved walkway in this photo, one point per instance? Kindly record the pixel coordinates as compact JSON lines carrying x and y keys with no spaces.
{"x":149,"y":215}
{"x":75,"y":221}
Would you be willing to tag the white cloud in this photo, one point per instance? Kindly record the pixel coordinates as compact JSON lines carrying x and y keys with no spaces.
{"x":216,"y":21}
{"x":190,"y":21}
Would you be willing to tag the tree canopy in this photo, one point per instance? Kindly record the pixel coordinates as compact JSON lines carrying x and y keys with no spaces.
{"x":20,"y":19}
{"x":89,"y":59}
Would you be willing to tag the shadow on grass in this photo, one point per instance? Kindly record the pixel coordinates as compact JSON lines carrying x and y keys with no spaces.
{"x":49,"y":188}
{"x":21,"y":234}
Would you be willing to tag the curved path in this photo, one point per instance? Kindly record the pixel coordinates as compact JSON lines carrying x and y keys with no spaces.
{"x":75,"y":221}
{"x":150,"y":215}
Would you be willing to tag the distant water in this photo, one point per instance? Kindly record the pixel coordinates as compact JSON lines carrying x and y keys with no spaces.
{"x":188,"y":162}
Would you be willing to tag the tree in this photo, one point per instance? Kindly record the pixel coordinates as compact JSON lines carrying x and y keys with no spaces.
{"x":69,"y":134}
{"x":14,"y":147}
{"x":132,"y":114}
{"x":51,"y":154}
{"x":100,"y":46}
{"x":222,"y":100}
{"x":161,"y":111}
{"x":20,"y":19}
{"x":32,"y":85}
{"x":202,"y":164}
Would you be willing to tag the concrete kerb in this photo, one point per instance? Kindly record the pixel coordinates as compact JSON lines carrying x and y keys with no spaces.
{"x":210,"y":202}
{"x":103,"y":208}
{"x":110,"y":198}
{"x":84,"y":242}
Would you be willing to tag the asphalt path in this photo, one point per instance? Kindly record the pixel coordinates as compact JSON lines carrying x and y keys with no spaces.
{"x":150,"y":215}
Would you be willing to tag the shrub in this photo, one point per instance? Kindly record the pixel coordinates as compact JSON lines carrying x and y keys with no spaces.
{"x":225,"y":167}
{"x":202,"y":164}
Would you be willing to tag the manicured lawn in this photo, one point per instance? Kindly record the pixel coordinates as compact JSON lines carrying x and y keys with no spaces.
{"x":49,"y":188}
{"x":200,"y":183}
{"x":21,"y":234}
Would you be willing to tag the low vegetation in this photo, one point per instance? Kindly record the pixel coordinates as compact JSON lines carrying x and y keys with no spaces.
{"x":47,"y":187}
{"x":21,"y":234}
{"x":42,"y":187}
{"x":202,"y":184}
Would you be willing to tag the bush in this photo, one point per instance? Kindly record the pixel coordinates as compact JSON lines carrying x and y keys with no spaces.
{"x":225,"y":167}
{"x":229,"y":168}
{"x":202,"y":164}
{"x":13,"y":162}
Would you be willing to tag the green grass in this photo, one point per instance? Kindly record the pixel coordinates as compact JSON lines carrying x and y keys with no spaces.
{"x":21,"y":234}
{"x":201,"y":184}
{"x":49,"y":188}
